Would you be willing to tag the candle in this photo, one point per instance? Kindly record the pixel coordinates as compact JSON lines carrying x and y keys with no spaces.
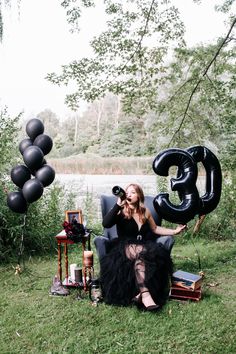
{"x":88,"y":258}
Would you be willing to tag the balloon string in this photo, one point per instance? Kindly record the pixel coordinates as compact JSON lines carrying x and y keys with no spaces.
{"x":21,"y":247}
{"x":196,"y":230}
{"x":198,"y":254}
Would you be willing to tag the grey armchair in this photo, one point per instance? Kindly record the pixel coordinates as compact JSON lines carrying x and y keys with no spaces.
{"x":102,"y":242}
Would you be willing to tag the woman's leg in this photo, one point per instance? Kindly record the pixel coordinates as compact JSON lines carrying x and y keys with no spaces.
{"x":133,"y":253}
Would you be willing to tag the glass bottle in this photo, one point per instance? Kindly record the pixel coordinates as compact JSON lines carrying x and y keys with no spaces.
{"x":95,"y":291}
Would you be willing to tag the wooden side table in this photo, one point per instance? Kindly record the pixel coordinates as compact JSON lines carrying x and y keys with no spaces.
{"x":63,"y":240}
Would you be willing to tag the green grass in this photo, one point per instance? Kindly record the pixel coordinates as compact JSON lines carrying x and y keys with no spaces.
{"x":31,"y":321}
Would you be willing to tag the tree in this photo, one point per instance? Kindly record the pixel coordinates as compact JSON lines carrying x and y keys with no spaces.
{"x":6,"y":4}
{"x":127,"y":61}
{"x":8,"y":133}
{"x":130,"y":60}
{"x":51,"y":121}
{"x":201,"y":103}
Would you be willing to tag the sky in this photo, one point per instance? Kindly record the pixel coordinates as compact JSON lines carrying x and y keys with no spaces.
{"x":38,"y":42}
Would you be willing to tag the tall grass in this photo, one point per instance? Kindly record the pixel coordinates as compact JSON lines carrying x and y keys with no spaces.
{"x":32,"y":232}
{"x":95,"y":164}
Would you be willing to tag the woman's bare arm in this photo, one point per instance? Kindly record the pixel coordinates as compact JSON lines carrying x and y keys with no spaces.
{"x":163,"y":231}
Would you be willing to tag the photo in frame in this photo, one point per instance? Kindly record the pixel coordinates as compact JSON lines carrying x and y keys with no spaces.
{"x":74,"y":214}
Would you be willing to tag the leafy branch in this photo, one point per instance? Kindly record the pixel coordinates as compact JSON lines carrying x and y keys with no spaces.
{"x":139,"y":44}
{"x":224,"y":42}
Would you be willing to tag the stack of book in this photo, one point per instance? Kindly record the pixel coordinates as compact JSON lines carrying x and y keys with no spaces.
{"x":186,"y":286}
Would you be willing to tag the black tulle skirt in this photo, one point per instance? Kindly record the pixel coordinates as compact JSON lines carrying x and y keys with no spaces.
{"x":118,"y":278}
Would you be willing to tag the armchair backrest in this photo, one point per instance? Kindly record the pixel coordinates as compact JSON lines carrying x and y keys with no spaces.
{"x":108,"y":201}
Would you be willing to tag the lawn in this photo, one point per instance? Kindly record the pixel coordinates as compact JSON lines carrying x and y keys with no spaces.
{"x":31,"y":321}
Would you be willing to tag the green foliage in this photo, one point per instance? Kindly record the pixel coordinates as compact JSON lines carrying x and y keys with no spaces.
{"x":11,"y":225}
{"x":73,"y":11}
{"x":208,"y":116}
{"x":8,"y":132}
{"x":45,"y":218}
{"x":34,"y":232}
{"x":221,"y":223}
{"x":50,"y":121}
{"x":92,"y":219}
{"x":1,"y":25}
{"x":126,"y":137}
{"x":186,"y":101}
{"x":125,"y":61}
{"x":225,"y":7}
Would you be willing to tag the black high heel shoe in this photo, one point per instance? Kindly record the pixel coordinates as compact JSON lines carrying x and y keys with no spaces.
{"x":151,"y":308}
{"x":137,"y":301}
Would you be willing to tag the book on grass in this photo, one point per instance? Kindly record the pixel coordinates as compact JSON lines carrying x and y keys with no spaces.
{"x":179,"y":293}
{"x":186,"y":280}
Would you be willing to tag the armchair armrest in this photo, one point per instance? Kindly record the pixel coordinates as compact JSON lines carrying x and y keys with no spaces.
{"x":101,"y":243}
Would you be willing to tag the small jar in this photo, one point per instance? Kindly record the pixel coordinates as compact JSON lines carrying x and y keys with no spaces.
{"x":78,"y":275}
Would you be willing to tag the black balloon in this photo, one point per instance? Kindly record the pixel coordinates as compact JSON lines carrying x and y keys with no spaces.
{"x":34,"y":127}
{"x":20,"y":174}
{"x":32,"y":190}
{"x":184,"y":184}
{"x":211,"y":164}
{"x":16,"y":202}
{"x":45,"y":175}
{"x":24,"y":144}
{"x":34,"y":171}
{"x":44,"y":142}
{"x":33,"y":157}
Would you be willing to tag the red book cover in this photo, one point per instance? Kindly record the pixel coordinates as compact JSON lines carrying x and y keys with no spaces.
{"x":183,"y":294}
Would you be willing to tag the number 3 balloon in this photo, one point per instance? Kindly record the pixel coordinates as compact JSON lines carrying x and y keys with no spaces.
{"x":184,"y":183}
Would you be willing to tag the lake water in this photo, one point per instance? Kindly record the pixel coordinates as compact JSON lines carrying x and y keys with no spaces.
{"x":96,"y":185}
{"x":102,"y":184}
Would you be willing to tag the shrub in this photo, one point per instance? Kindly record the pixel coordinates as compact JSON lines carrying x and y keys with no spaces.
{"x":34,"y":231}
{"x":221,"y":223}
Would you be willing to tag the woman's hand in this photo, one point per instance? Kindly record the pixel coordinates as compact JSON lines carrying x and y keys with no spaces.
{"x":179,"y":229}
{"x":120,"y":202}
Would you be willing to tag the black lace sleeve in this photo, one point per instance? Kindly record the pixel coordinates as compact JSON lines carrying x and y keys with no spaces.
{"x":111,"y":217}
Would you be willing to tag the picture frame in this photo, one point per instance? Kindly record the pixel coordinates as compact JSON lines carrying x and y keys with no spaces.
{"x":71,"y":214}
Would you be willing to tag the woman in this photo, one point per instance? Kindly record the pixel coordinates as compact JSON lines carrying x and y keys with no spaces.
{"x":136,"y":268}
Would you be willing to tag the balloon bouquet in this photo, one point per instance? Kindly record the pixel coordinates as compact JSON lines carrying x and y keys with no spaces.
{"x":36,"y":174}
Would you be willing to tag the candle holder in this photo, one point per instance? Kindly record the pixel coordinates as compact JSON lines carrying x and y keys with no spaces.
{"x":88,"y":270}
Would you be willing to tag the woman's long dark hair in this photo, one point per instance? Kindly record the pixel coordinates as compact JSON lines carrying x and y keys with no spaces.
{"x":140,"y":208}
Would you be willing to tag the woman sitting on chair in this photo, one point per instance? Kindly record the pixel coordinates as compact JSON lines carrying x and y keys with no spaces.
{"x":136,"y":269}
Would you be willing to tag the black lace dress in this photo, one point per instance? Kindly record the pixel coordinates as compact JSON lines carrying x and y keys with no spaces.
{"x":117,"y":272}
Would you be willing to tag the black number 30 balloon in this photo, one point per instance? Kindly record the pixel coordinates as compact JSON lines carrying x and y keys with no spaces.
{"x":185,"y":183}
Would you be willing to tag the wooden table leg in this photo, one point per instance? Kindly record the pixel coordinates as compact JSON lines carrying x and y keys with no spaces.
{"x":59,"y":269}
{"x":83,"y":266}
{"x":66,"y":261}
{"x":89,"y":245}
